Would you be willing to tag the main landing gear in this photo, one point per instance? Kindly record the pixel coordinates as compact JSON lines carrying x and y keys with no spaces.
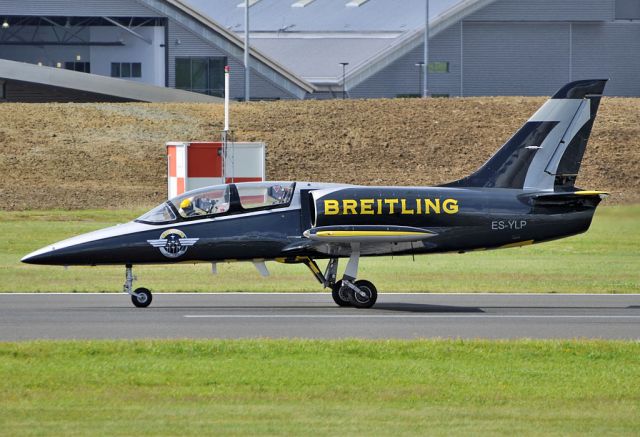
{"x":348,"y":291}
{"x":141,"y":297}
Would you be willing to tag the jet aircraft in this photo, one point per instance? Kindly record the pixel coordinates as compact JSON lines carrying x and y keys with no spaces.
{"x":525,"y":193}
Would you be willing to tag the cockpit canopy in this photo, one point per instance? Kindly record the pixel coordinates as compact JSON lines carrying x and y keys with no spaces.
{"x":221,"y":199}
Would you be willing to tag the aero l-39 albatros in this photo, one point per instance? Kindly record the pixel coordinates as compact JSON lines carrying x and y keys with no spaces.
{"x":523,"y":194}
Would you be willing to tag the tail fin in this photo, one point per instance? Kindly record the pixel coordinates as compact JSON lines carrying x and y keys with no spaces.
{"x":545,"y":154}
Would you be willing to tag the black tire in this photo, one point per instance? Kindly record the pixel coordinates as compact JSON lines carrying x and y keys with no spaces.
{"x":143,"y":298}
{"x":365,"y":301}
{"x":339,"y":298}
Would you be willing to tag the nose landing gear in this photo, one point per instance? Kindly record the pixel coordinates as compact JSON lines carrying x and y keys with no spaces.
{"x":140,"y":297}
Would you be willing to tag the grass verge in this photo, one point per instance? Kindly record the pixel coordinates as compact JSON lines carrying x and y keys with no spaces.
{"x":257,"y":387}
{"x":604,"y":260}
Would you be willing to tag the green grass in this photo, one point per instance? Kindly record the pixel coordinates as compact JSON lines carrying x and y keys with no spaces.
{"x":257,"y":387}
{"x":604,"y":260}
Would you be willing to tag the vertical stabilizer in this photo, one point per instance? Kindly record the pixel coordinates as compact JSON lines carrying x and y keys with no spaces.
{"x":546,"y":153}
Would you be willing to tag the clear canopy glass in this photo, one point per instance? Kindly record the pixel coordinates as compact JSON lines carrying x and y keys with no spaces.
{"x":203,"y":202}
{"x":159,"y":214}
{"x":210,"y":201}
{"x":264,"y":194}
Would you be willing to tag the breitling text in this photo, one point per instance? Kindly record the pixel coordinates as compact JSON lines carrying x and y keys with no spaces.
{"x":390,"y":206}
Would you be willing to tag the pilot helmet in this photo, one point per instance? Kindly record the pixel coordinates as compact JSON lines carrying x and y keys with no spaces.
{"x":186,"y":204}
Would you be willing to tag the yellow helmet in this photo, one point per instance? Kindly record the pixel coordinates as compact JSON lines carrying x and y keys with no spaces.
{"x":186,"y":203}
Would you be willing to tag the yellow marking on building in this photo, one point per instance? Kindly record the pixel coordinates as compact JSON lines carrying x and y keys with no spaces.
{"x":517,"y":244}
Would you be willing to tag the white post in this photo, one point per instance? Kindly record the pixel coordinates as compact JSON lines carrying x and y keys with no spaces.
{"x":225,"y":131}
{"x":226,"y":98}
{"x":246,"y":51}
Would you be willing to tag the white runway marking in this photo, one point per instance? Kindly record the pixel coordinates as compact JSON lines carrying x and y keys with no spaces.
{"x":399,"y":316}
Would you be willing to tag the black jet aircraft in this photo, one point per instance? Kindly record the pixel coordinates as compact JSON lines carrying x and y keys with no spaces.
{"x":523,"y":194}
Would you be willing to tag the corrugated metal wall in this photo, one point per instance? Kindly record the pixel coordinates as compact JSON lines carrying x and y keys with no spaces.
{"x":193,"y":45}
{"x":546,"y":10}
{"x":608,"y":50}
{"x":515,"y":58}
{"x":77,"y":8}
{"x":404,"y":77}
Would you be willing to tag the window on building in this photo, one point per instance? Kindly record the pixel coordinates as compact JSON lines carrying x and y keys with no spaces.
{"x":438,"y":67}
{"x":201,"y":75}
{"x":126,"y":69}
{"x":84,"y":67}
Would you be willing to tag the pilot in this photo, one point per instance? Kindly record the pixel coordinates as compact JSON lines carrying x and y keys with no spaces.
{"x":189,"y":209}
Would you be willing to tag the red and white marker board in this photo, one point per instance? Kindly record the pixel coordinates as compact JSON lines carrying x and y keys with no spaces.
{"x":200,"y":164}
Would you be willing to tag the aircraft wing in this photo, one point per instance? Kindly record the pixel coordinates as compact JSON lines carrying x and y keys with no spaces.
{"x":337,"y":240}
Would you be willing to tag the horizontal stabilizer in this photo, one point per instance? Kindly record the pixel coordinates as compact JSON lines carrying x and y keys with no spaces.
{"x":566,"y":198}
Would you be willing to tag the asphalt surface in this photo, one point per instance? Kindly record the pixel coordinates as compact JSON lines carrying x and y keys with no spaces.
{"x":314,"y":315}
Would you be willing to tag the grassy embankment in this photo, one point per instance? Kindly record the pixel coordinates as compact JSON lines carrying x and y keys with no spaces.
{"x":604,"y":260}
{"x":252,"y":387}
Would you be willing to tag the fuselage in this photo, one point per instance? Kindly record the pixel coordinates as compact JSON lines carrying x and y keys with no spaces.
{"x":458,"y":219}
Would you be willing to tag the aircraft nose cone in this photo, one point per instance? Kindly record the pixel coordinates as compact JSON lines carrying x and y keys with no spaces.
{"x":46,"y":255}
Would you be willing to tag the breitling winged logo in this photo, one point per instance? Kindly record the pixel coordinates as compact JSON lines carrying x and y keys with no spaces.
{"x":173,"y":243}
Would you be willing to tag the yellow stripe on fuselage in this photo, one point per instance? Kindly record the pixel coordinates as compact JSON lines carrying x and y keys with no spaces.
{"x":517,"y":244}
{"x":368,"y":233}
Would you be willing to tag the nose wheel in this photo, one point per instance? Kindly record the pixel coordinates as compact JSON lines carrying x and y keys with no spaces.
{"x":140,"y":297}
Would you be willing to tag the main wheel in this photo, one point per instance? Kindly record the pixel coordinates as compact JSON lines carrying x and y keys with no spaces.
{"x":141,"y":298}
{"x":340,"y":296}
{"x":367,"y":298}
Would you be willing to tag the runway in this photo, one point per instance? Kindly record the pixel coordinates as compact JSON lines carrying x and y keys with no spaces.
{"x":314,"y":315}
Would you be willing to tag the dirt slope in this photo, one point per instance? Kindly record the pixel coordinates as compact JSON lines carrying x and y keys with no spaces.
{"x":113,"y":155}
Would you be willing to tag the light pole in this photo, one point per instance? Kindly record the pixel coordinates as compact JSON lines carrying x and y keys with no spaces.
{"x":420,"y":66}
{"x":425,"y":90}
{"x":344,"y":84}
{"x":246,"y":51}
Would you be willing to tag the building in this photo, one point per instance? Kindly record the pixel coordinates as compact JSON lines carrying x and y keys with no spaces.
{"x":156,"y":42}
{"x":320,"y":48}
{"x":477,"y":47}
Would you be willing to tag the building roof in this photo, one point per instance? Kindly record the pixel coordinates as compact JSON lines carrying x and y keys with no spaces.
{"x":313,"y":40}
{"x":237,"y":43}
{"x":323,"y":15}
{"x":93,"y":83}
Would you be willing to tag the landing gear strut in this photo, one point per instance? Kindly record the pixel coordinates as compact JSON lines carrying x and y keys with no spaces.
{"x":141,"y":297}
{"x":348,"y":291}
